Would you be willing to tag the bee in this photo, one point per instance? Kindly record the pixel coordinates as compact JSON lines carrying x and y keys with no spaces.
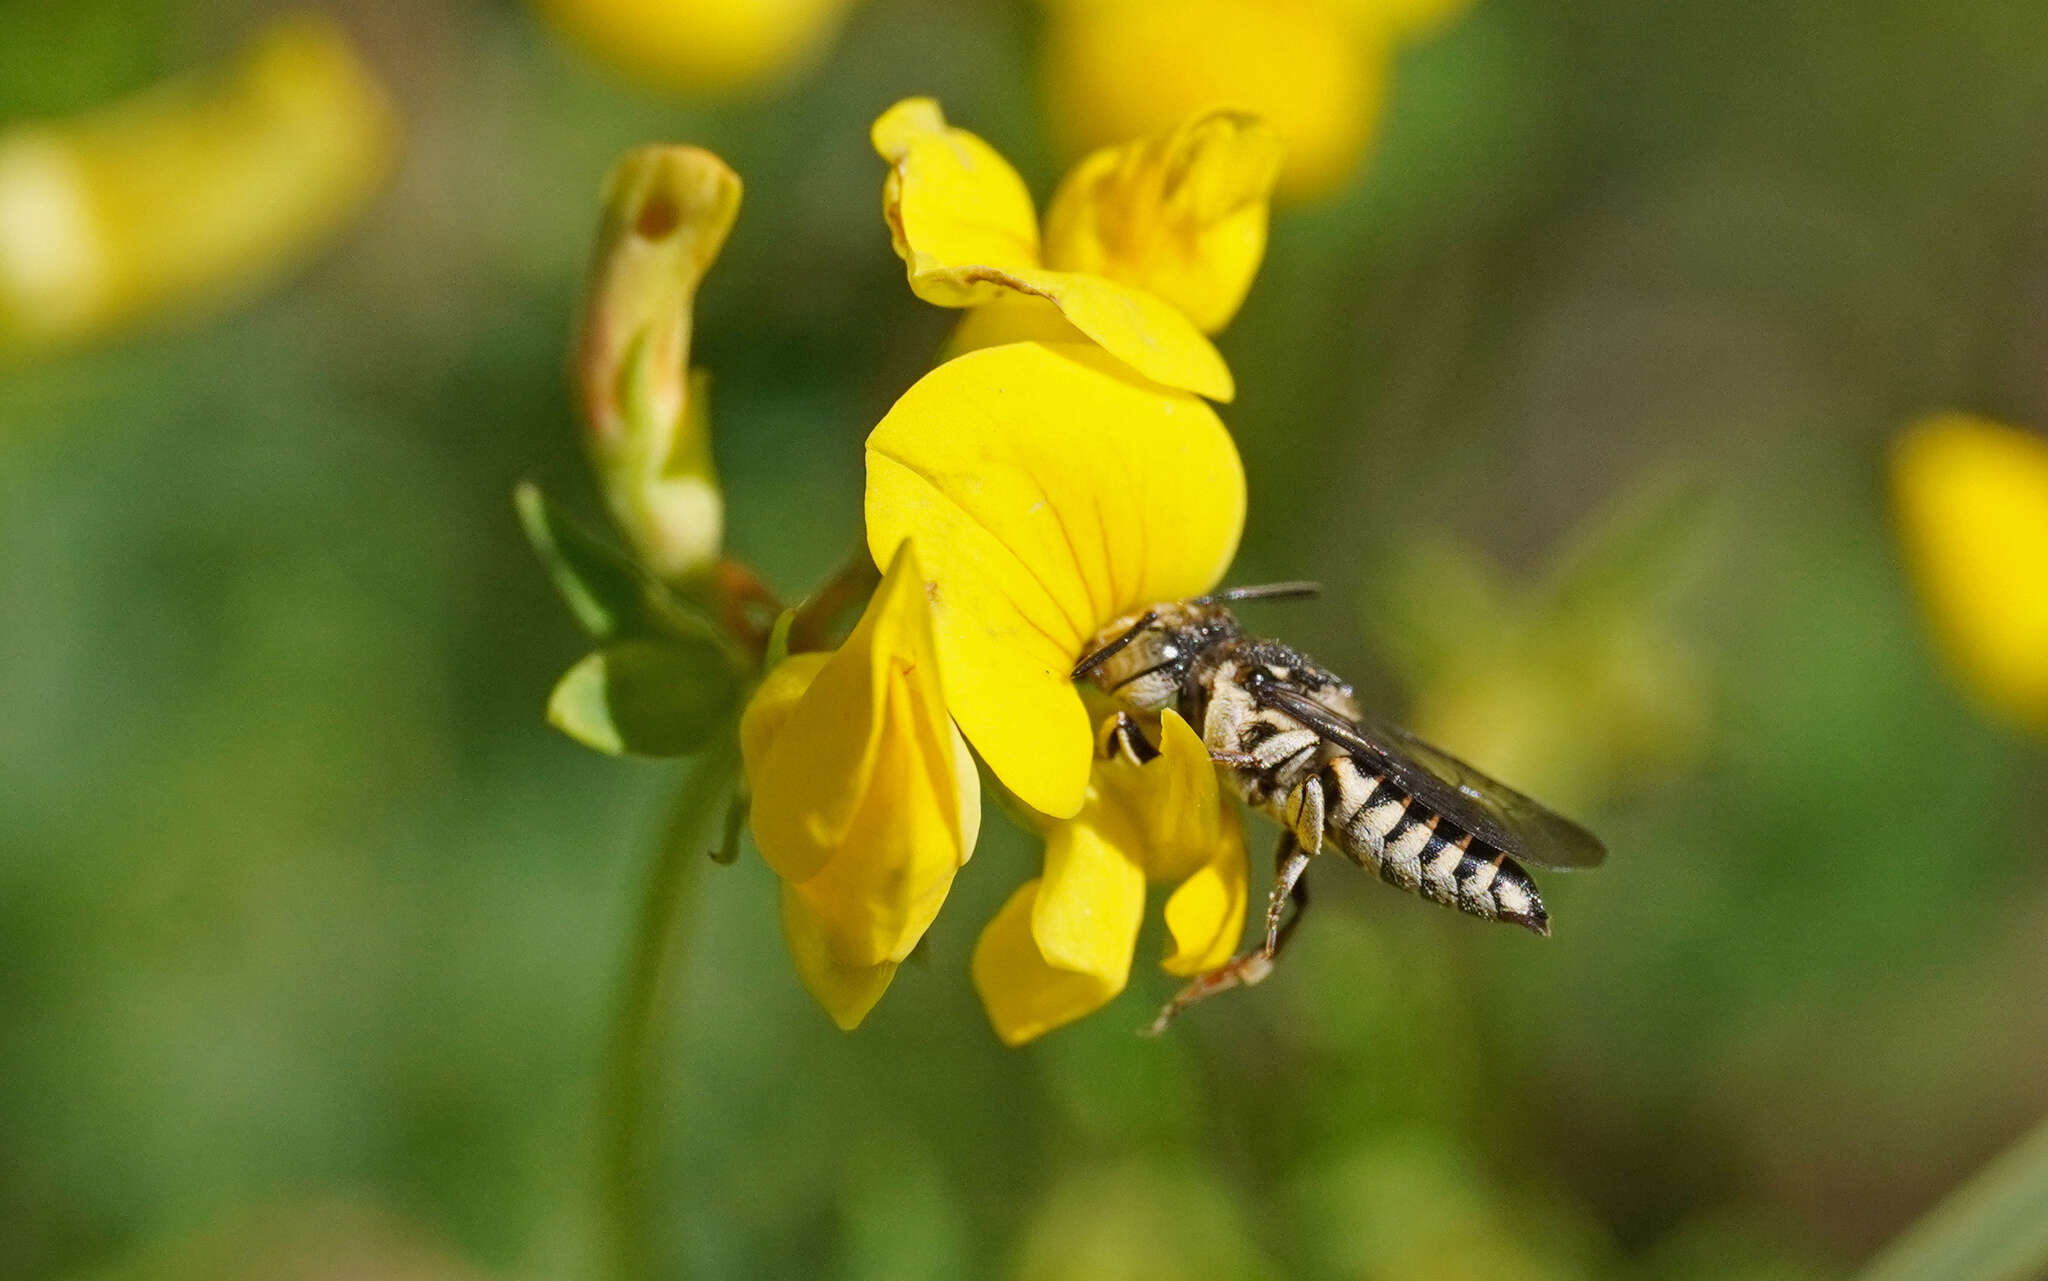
{"x":1292,"y":743}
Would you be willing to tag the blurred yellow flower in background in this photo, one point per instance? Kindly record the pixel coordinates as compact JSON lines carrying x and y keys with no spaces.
{"x":865,"y":799}
{"x":1049,"y":492}
{"x":701,"y":46}
{"x":1972,"y":503}
{"x":1147,"y":246}
{"x":1061,"y":947}
{"x":1315,"y":70}
{"x":189,"y":193}
{"x":667,"y":211}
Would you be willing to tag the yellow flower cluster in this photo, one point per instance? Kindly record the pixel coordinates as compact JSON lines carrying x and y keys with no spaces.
{"x":1023,"y":495}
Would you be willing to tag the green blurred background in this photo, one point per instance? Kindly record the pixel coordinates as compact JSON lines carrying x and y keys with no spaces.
{"x":310,"y":929}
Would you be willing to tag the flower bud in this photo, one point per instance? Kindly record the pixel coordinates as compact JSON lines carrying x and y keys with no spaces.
{"x":667,"y":211}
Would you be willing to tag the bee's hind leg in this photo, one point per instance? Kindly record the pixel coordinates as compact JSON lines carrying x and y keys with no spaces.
{"x":1248,"y":968}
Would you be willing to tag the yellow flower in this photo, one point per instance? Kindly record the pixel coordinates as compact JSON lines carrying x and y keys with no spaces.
{"x":1316,"y":70}
{"x":190,"y":193}
{"x":1147,"y":246}
{"x":667,"y":212}
{"x":707,"y":46}
{"x":1061,"y":947}
{"x":1972,"y":501}
{"x":865,"y":799}
{"x":1049,"y":493}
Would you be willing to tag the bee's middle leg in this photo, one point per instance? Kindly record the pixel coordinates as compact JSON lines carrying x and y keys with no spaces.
{"x":1289,"y":862}
{"x":1248,"y":968}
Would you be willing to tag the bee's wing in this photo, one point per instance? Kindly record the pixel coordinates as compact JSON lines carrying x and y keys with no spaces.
{"x":1490,"y":810}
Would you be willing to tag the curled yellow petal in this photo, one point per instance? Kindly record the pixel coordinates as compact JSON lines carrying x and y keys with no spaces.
{"x":667,"y":212}
{"x":1205,"y":915}
{"x":1011,"y":318}
{"x":1143,"y":330}
{"x":189,"y":193}
{"x":865,"y":799}
{"x":1972,"y":499}
{"x":847,"y":992}
{"x":1024,"y":996}
{"x":1048,"y":493}
{"x":958,"y":214}
{"x":1092,"y":896}
{"x":1173,"y":801}
{"x":1181,"y":215}
{"x":963,"y":223}
{"x":701,"y":46}
{"x":1120,"y":69}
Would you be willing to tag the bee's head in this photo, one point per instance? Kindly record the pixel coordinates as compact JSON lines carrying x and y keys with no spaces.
{"x":1141,"y":659}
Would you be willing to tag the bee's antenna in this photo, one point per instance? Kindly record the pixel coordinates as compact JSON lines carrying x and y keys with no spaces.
{"x":1109,"y":651}
{"x":1263,"y":591}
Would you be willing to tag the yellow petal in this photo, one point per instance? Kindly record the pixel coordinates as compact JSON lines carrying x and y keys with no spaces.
{"x":1011,"y":318}
{"x":1172,"y":801}
{"x":1092,"y":897}
{"x":1120,"y":69}
{"x":1205,"y":916}
{"x":847,"y":992}
{"x":963,"y":224}
{"x":954,"y":206}
{"x":894,"y":865}
{"x":1025,"y":997}
{"x":1972,"y":500}
{"x":772,"y":705}
{"x":1048,"y":494}
{"x":1141,"y":329}
{"x":1181,"y":215}
{"x":706,"y":46}
{"x":864,"y":795}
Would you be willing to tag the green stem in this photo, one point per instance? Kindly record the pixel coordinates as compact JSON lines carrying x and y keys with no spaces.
{"x":1993,"y":1228}
{"x":649,"y":993}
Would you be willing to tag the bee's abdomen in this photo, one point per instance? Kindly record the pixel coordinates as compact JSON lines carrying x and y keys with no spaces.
{"x":1385,"y":831}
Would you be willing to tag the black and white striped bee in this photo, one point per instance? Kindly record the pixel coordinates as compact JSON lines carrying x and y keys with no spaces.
{"x":1292,"y":742}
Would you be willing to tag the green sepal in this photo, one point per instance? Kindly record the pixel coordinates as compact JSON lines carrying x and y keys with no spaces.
{"x":604,"y":590}
{"x":727,"y":851}
{"x":648,"y":697}
{"x":921,"y":954}
{"x":778,"y":640}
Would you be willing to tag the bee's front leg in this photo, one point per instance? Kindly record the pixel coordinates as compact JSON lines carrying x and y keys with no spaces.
{"x":1126,"y":738}
{"x":1248,"y":968}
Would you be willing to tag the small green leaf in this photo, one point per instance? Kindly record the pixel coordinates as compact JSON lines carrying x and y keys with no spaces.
{"x":647,"y":697}
{"x":604,"y":589}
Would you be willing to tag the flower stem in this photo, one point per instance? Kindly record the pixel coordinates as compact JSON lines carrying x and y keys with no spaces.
{"x":649,"y":993}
